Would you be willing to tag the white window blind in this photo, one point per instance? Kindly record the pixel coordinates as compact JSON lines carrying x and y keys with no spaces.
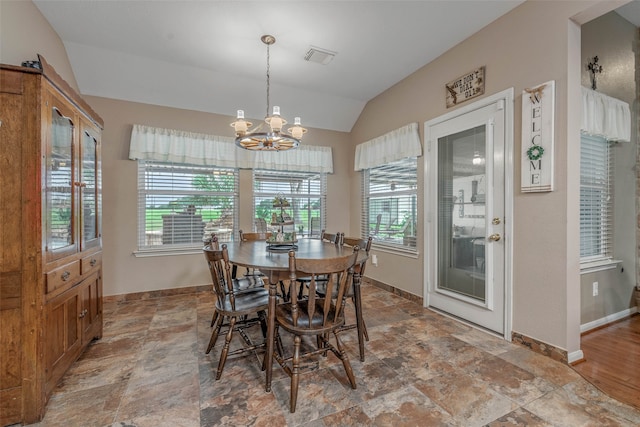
{"x":306,"y":193}
{"x":390,"y":205}
{"x":180,"y":204}
{"x":596,"y":199}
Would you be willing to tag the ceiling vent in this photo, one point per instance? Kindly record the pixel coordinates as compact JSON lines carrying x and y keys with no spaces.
{"x":321,"y":56}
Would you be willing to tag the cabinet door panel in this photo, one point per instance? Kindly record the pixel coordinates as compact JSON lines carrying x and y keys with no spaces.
{"x":91,"y":314}
{"x":62,"y":335}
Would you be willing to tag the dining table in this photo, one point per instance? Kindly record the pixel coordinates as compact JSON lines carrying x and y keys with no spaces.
{"x":273,"y":262}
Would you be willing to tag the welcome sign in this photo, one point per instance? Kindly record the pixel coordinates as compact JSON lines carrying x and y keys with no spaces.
{"x":538,"y":111}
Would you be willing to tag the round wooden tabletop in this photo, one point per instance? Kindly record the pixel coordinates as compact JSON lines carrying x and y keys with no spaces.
{"x":256,"y":254}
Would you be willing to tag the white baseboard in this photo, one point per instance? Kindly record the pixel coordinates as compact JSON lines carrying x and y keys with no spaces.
{"x":574,"y":356}
{"x":607,"y":319}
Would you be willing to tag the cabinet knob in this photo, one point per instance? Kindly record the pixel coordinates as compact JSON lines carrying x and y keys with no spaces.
{"x":83,"y":313}
{"x":65,"y":276}
{"x":93,"y":262}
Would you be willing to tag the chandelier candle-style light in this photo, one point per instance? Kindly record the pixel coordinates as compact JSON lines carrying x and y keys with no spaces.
{"x":273,"y":138}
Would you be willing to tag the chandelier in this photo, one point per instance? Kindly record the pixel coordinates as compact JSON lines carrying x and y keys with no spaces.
{"x":272,"y":138}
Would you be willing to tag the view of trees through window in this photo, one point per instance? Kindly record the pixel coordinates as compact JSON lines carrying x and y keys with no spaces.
{"x":305,"y":192}
{"x":183,"y":204}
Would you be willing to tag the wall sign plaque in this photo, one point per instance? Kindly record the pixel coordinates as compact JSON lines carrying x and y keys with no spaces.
{"x":538,"y":111}
{"x":465,"y":87}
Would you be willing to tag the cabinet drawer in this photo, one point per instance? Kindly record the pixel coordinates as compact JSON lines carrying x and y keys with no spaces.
{"x":91,"y":263}
{"x":63,"y":277}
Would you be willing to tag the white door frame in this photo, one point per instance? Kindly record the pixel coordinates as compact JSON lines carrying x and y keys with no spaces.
{"x":508,"y":98}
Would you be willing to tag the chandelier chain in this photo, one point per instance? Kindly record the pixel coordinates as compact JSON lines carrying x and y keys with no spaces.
{"x":268,"y":78}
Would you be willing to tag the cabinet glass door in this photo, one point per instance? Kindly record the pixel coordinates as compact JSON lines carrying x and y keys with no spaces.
{"x":59,"y":183}
{"x":89,"y":188}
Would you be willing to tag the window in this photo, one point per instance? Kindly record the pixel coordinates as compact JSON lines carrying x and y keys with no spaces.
{"x":305,"y":191}
{"x":180,"y":204}
{"x":596,"y":199}
{"x":390,"y":204}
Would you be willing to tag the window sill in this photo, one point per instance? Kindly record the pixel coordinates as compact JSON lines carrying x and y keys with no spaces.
{"x":598,"y":265}
{"x":396,"y":250}
{"x":146,"y":253}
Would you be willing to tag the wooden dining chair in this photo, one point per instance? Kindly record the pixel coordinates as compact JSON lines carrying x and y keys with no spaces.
{"x":325,"y":237}
{"x":244,"y":284}
{"x":235,"y":310}
{"x":330,"y":237}
{"x":315,"y":316}
{"x":354,"y":291}
{"x":252,"y":237}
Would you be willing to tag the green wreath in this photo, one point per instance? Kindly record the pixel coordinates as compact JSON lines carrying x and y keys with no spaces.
{"x":535,"y":152}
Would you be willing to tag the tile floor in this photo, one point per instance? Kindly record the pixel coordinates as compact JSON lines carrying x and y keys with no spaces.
{"x":421,"y":369}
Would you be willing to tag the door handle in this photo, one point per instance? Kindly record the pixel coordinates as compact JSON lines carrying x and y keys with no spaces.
{"x":494,"y":237}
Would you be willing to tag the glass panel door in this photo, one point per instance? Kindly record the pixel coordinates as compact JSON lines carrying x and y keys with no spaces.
{"x":461,"y":218}
{"x":465,"y":191}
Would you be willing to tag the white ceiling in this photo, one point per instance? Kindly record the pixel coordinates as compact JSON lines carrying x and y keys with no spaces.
{"x":207,"y":55}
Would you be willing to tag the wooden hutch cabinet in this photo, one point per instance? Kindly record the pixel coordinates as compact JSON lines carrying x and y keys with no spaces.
{"x":50,"y":236}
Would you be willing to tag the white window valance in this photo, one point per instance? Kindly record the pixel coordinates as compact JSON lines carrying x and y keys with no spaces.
{"x":169,"y":145}
{"x":395,"y":145}
{"x":604,"y":116}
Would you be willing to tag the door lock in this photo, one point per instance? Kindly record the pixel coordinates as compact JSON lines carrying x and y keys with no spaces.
{"x":495,"y":221}
{"x":494,"y":237}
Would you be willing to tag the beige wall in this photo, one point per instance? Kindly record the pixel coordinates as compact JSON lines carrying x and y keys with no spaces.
{"x":530,"y":45}
{"x":123,"y":272}
{"x":612,"y":39}
{"x":25,"y":33}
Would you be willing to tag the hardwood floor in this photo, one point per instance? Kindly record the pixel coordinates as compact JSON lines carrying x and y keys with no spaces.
{"x":613,"y":359}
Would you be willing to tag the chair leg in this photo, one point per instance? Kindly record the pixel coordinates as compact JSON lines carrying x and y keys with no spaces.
{"x":225,"y":349}
{"x":279,"y":346}
{"x":216,"y":332}
{"x":214,"y":317}
{"x":364,"y":330}
{"x":345,"y":361}
{"x":285,"y":295}
{"x":263,"y":323}
{"x":360,"y":326}
{"x":295,"y":373}
{"x":322,"y":341}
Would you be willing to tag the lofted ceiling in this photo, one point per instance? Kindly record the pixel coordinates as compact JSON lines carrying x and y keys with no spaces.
{"x":207,"y":55}
{"x":631,"y":12}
